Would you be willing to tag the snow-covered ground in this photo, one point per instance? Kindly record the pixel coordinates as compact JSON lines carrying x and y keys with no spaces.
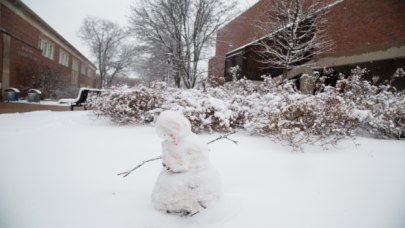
{"x":59,"y":169}
{"x":42,"y":102}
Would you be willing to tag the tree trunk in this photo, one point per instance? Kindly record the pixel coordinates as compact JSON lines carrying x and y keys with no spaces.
{"x":177,"y":80}
{"x":285,"y":74}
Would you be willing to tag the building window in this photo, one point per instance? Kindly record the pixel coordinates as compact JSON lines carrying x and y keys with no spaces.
{"x":51,"y":47}
{"x":40,"y":43}
{"x":45,"y":51}
{"x":89,"y":73}
{"x":75,"y":71}
{"x":63,"y":58}
{"x":47,"y":48}
{"x":83,"y":70}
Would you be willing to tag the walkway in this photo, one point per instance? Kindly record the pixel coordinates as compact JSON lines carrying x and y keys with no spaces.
{"x":10,"y":107}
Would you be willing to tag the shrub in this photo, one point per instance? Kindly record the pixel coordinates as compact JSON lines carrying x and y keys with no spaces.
{"x":297,"y":119}
{"x":380,"y":109}
{"x":271,"y":110}
{"x":129,"y":105}
{"x":204,"y":111}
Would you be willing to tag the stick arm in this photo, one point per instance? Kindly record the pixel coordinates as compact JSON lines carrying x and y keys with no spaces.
{"x":126,"y":173}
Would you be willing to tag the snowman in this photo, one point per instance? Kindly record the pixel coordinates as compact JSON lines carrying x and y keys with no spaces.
{"x":188,"y":183}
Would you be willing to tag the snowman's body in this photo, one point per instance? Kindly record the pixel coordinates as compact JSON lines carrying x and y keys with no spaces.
{"x":188,"y":182}
{"x":186,"y":193}
{"x":190,"y":154}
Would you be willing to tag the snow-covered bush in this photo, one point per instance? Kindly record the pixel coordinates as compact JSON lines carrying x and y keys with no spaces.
{"x":269,"y":85}
{"x":298,"y":119}
{"x":202,"y":110}
{"x":380,"y":109}
{"x":142,"y":105}
{"x":129,"y":105}
{"x":242,"y":86}
{"x":274,"y":110}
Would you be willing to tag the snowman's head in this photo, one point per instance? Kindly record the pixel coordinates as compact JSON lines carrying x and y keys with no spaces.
{"x":171,"y":126}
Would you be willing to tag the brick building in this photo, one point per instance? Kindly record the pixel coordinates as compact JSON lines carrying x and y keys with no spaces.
{"x":366,"y":33}
{"x":27,"y":40}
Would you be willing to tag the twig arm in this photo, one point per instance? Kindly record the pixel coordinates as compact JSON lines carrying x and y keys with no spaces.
{"x":225,"y":137}
{"x":126,"y":173}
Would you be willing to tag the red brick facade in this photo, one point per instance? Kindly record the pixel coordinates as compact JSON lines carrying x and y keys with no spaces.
{"x":25,"y":28}
{"x":353,"y":25}
{"x":357,"y":24}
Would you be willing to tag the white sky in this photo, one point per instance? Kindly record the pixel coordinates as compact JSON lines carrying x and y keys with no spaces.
{"x":66,"y":16}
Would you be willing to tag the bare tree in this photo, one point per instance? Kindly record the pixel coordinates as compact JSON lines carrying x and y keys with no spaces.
{"x":184,"y":28}
{"x":295,"y":32}
{"x":152,"y":65}
{"x":106,"y":40}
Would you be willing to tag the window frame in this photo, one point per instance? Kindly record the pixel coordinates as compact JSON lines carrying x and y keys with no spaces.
{"x":51,"y":50}
{"x":45,"y":51}
{"x":40,"y":40}
{"x":63,"y":58}
{"x":75,"y":71}
{"x":89,"y":72}
{"x":83,"y":69}
{"x":47,"y":47}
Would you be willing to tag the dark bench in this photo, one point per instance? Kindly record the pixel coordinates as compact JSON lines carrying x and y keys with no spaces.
{"x":81,"y":99}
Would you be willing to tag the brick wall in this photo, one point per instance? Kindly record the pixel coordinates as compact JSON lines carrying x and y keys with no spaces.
{"x":22,"y":54}
{"x":19,"y":57}
{"x":357,"y":24}
{"x":235,"y":34}
{"x":240,"y":31}
{"x":353,"y":25}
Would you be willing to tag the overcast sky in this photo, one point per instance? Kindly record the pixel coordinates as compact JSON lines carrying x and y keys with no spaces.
{"x":66,"y":16}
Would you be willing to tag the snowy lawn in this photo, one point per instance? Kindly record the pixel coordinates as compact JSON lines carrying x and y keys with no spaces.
{"x":59,"y":170}
{"x":42,"y":102}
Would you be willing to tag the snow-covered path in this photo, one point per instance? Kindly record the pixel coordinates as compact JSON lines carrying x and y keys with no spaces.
{"x":59,"y":169}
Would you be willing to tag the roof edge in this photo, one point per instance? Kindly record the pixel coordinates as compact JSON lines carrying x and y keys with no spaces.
{"x":38,"y":19}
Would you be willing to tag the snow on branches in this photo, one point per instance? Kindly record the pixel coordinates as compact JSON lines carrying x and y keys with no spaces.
{"x":297,"y":119}
{"x":380,"y":109}
{"x":294,"y":33}
{"x":279,"y":112}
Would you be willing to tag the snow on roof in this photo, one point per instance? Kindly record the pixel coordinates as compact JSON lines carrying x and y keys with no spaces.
{"x":95,"y":90}
{"x":255,"y":41}
{"x":34,"y":90}
{"x":335,"y":3}
{"x":237,"y":53}
{"x":15,"y":90}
